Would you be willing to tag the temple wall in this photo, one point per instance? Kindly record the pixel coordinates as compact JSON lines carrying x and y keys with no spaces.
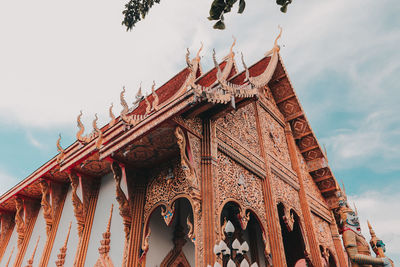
{"x":323,"y":234}
{"x":67,"y":216}
{"x":101,"y":216}
{"x":235,"y":183}
{"x":38,"y":230}
{"x":274,"y":139}
{"x":11,"y":244}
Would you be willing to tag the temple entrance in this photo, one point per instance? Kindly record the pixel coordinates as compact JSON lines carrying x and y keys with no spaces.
{"x":252,"y":234}
{"x":293,"y":241}
{"x":169,"y":246}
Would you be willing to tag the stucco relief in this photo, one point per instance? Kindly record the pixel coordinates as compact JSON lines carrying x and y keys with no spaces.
{"x":274,"y":138}
{"x":195,"y":125}
{"x":235,"y":183}
{"x":241,"y":125}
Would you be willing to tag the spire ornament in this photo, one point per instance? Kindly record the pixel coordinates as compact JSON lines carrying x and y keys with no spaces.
{"x":104,"y":259}
{"x":129,"y":120}
{"x":30,"y":261}
{"x":63,"y":251}
{"x":9,"y":258}
{"x":138,"y":97}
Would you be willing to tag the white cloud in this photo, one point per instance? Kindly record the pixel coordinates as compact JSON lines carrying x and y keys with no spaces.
{"x":33,"y":141}
{"x":373,"y":140}
{"x":381,"y":210}
{"x":6,"y":181}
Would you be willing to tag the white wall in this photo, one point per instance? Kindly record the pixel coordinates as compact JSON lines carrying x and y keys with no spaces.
{"x":101,"y":215}
{"x":12,"y":243}
{"x":66,"y":217}
{"x":161,"y":243}
{"x":38,"y":230}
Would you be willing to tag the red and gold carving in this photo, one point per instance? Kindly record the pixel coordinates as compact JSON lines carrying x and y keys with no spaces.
{"x":47,"y":208}
{"x":235,"y":183}
{"x":77,"y":204}
{"x":186,"y":165}
{"x":104,"y":259}
{"x":63,"y":250}
{"x":19,"y":221}
{"x":274,"y":138}
{"x":242,"y":127}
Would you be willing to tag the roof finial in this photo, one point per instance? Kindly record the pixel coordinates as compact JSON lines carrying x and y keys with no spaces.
{"x":198,"y":52}
{"x":61,"y":156}
{"x":155,"y":97}
{"x":355,"y":208}
{"x":245,"y":68}
{"x":80,"y":126}
{"x":233,"y":44}
{"x":112,"y":116}
{"x":279,"y":35}
{"x":99,"y":133}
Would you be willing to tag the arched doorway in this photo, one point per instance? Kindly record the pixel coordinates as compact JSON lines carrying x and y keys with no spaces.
{"x":292,"y":237}
{"x":252,"y":232}
{"x":169,"y":246}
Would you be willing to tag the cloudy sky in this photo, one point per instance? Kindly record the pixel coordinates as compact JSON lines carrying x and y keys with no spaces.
{"x":57,"y":58}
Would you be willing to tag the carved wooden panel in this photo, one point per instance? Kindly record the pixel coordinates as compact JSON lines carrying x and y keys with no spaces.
{"x":323,"y":233}
{"x":234,"y":182}
{"x":286,"y":194}
{"x":195,"y":146}
{"x":274,"y":138}
{"x":241,"y":125}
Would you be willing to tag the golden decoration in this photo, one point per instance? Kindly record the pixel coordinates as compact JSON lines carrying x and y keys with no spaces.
{"x":63,"y":251}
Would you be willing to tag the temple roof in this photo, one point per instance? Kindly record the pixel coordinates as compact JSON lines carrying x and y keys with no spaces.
{"x":187,"y":90}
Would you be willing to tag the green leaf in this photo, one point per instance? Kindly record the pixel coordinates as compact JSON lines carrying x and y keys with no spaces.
{"x":280,"y":2}
{"x":216,"y":10}
{"x":242,"y":5}
{"x":220,"y":25}
{"x":229,"y":5}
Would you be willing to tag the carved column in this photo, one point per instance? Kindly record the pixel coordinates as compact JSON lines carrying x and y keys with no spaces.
{"x":84,"y":212}
{"x":25,"y":218}
{"x":125,"y":210}
{"x":337,"y":241}
{"x":7,"y":227}
{"x":276,"y":243}
{"x":58,"y":195}
{"x":207,"y":197}
{"x":305,"y":208}
{"x":139,"y":193}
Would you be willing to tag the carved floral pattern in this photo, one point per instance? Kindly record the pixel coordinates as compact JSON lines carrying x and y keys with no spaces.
{"x":274,"y":138}
{"x":47,"y":209}
{"x":241,"y":125}
{"x":234,"y":182}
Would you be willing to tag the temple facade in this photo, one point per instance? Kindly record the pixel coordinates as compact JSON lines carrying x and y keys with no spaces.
{"x":217,"y":168}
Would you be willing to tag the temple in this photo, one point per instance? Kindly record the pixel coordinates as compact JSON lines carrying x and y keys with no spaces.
{"x":216,"y":168}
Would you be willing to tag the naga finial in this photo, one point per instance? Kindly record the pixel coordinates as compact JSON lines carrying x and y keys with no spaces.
{"x":61,"y":156}
{"x":112,"y":116}
{"x":99,"y":133}
{"x":233,"y":44}
{"x":80,"y":126}
{"x":245,"y":68}
{"x":155,"y":97}
{"x":198,"y":52}
{"x":279,"y":36}
{"x":355,"y":208}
